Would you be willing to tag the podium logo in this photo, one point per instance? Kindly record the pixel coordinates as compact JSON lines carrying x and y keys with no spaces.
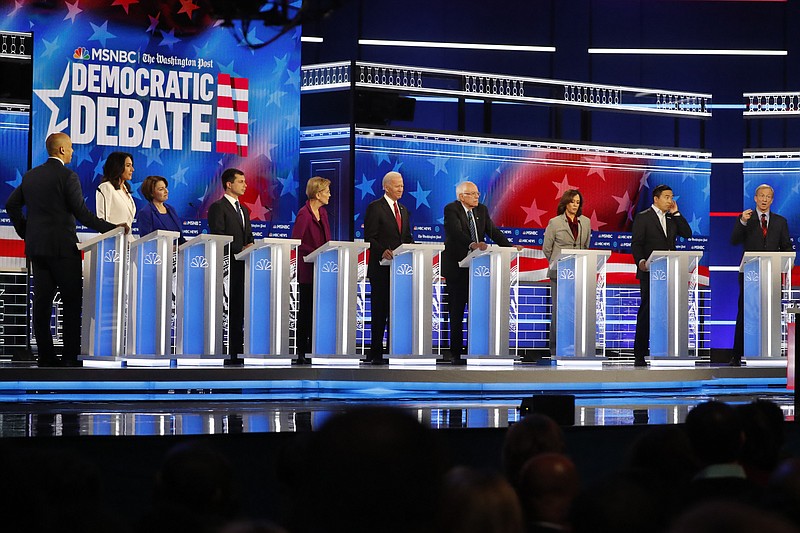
{"x":566,"y":274}
{"x":751,"y":277}
{"x":658,"y":275}
{"x":481,"y":272}
{"x":111,"y":256}
{"x":404,"y":270}
{"x":152,"y":259}
{"x":199,"y":262}
{"x":263,"y":264}
{"x":330,"y":266}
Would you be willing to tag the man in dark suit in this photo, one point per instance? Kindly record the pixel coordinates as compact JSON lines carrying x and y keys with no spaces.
{"x":52,"y":195}
{"x":655,"y":228}
{"x":459,"y":240}
{"x":764,"y":232}
{"x":386,"y":226}
{"x":227,"y":216}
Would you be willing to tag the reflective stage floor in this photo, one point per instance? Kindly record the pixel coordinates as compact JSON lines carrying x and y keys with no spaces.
{"x":195,"y":401}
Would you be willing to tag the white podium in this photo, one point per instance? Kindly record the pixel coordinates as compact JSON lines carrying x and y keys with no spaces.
{"x":763,"y":314}
{"x":670,"y":273}
{"x":411,"y":304}
{"x":489,"y":310}
{"x":150,"y":293}
{"x":198,"y":337}
{"x":103,"y":322}
{"x":334,"y":324}
{"x":267,"y":275}
{"x":576,"y":338}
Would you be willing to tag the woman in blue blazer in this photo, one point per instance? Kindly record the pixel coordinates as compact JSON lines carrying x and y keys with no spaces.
{"x":157,"y":214}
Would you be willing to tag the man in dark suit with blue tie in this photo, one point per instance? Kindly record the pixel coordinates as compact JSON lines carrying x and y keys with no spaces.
{"x":466,"y":224}
{"x":52,"y":195}
{"x":227,"y":216}
{"x":764,"y":232}
{"x":386,"y":226}
{"x":655,"y":228}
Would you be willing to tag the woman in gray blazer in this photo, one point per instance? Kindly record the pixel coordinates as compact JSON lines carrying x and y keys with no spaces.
{"x":569,"y":229}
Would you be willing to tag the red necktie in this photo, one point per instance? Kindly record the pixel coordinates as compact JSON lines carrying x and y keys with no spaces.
{"x":398,"y":219}
{"x":764,"y":225}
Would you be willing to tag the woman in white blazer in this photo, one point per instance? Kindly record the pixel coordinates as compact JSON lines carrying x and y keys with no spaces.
{"x":114,"y":201}
{"x":569,"y":229}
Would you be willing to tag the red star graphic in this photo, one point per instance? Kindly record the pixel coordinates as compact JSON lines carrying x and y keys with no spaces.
{"x":533,"y":213}
{"x":596,"y":223}
{"x":257,"y":209}
{"x":562,"y":187}
{"x":596,"y":167}
{"x":188,"y":7}
{"x":624,"y":202}
{"x":126,"y":4}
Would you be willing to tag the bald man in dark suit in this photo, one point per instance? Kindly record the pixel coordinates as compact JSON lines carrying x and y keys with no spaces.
{"x":649,"y":235}
{"x":53,"y":197}
{"x":386,"y":226}
{"x":228,"y":216}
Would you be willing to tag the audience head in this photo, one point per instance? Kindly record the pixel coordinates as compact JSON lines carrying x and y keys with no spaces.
{"x":118,"y":169}
{"x":478,"y":501}
{"x":532,"y":435}
{"x":547,"y":485}
{"x":729,"y":517}
{"x":715,"y":433}
{"x":664,"y":451}
{"x":762,"y":423}
{"x":782,"y":493}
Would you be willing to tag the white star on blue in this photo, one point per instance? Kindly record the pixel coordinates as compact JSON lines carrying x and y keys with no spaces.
{"x":439,"y":164}
{"x":421,"y":196}
{"x":289,"y":185}
{"x":49,"y":47}
{"x":695,"y":224}
{"x":397,"y":165}
{"x":153,"y":155}
{"x":280,"y":64}
{"x":228,"y":69}
{"x":101,"y":33}
{"x":380,"y":157}
{"x":365,"y":186}
{"x":251,"y":40}
{"x":179,"y":176}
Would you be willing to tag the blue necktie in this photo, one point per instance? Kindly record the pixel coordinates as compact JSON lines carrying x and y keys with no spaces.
{"x":472,"y":231}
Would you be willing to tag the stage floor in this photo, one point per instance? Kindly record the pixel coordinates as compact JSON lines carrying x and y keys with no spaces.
{"x":203,"y":400}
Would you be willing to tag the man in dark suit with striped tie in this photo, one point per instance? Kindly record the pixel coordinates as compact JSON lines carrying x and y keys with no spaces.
{"x":760,"y":231}
{"x":655,"y":228}
{"x":386,"y":226}
{"x":466,"y":224}
{"x":227,"y":216}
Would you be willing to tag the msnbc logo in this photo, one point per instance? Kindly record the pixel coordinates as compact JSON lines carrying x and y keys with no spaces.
{"x":80,"y":53}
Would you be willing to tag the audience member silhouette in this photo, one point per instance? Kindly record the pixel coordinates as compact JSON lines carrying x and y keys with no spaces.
{"x":548,"y":483}
{"x":478,"y":501}
{"x":730,"y":517}
{"x":532,"y":435}
{"x":762,"y":424}
{"x":782,"y":493}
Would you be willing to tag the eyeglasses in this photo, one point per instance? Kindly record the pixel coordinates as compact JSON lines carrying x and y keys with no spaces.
{"x":476,"y":193}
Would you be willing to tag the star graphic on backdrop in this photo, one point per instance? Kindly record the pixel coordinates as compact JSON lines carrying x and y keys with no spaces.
{"x":180,"y":175}
{"x":257,"y":209}
{"x":153,"y":22}
{"x":188,"y":7}
{"x":228,"y":69}
{"x":562,"y":187}
{"x":707,"y":189}
{"x":294,"y":78}
{"x":153,"y":155}
{"x":533,"y":213}
{"x":421,"y":196}
{"x":643,"y":180}
{"x":46,"y":96}
{"x":596,"y":167}
{"x":380,"y":157}
{"x":289,"y":185}
{"x":168,"y":38}
{"x":82,"y":153}
{"x":795,"y":189}
{"x":98,"y":168}
{"x":251,"y":40}
{"x":269,"y":148}
{"x":624,"y":202}
{"x":17,"y":179}
{"x":439,"y":164}
{"x":101,"y":33}
{"x":17,"y":5}
{"x":124,"y":3}
{"x":595,"y":222}
{"x":365,"y":186}
{"x":204,"y":51}
{"x":72,"y":11}
{"x":280,"y":64}
{"x":695,"y":224}
{"x":49,"y":47}
{"x":397,"y":165}
{"x":275,"y":98}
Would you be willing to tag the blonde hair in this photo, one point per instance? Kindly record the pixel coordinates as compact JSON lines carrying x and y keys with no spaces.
{"x":315,"y":185}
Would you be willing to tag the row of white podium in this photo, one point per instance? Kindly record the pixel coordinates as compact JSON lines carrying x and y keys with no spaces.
{"x":129,"y":287}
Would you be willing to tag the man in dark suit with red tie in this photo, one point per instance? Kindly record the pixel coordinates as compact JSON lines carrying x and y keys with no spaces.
{"x":228,"y":216}
{"x":655,"y":228}
{"x":52,"y":196}
{"x":466,"y":224}
{"x":759,"y":231}
{"x":386,"y":226}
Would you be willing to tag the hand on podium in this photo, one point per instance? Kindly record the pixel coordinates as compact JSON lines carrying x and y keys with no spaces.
{"x":478,"y":246}
{"x":126,"y":226}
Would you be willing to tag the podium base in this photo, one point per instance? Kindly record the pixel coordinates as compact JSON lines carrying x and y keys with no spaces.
{"x":765,"y":362}
{"x":412,"y":360}
{"x":94,"y":361}
{"x":150,"y":361}
{"x":490,"y":360}
{"x":335,"y":360}
{"x":566,"y":361}
{"x":267,"y":360}
{"x":685,"y":362}
{"x":201,"y":360}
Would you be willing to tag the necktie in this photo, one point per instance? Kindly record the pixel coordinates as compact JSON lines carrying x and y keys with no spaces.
{"x":663,"y":220}
{"x":472,"y":231}
{"x":764,"y":225}
{"x":398,"y":219}
{"x":241,"y":215}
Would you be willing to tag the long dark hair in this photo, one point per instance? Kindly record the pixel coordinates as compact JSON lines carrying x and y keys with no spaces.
{"x":567,"y":198}
{"x":114,"y":167}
